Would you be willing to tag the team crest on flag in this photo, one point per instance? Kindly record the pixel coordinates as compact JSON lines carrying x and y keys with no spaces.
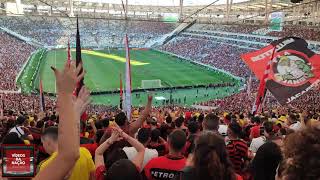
{"x":294,"y":69}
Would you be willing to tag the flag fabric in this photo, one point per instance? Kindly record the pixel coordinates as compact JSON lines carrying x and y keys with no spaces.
{"x":121,"y":92}
{"x":69,"y":53}
{"x":42,"y":102}
{"x":262,"y":86}
{"x":84,"y":116}
{"x":289,"y":72}
{"x":78,"y":59}
{"x":128,"y":81}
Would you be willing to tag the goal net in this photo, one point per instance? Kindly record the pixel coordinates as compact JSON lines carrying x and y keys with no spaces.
{"x":149,"y":84}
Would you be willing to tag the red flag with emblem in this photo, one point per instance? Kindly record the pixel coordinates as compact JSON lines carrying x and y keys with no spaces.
{"x":288,"y":72}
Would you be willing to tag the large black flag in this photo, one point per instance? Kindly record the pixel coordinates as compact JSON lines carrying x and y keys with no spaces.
{"x":78,"y":58}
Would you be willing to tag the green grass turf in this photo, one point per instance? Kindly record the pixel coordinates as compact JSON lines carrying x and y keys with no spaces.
{"x":191,"y":96}
{"x":103,"y":69}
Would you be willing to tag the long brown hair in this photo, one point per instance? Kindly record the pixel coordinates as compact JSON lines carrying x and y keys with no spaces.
{"x":210,"y":158}
{"x":302,"y":152}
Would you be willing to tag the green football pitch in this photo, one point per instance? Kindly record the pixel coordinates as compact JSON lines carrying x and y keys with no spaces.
{"x":105,"y":66}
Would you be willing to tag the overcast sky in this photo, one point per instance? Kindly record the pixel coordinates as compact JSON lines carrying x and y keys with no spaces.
{"x":163,"y":2}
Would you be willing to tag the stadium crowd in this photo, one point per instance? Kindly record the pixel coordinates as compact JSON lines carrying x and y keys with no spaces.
{"x":308,"y":33}
{"x":13,"y":54}
{"x":210,"y":53}
{"x":158,"y":143}
{"x":53,"y":31}
{"x":164,"y":143}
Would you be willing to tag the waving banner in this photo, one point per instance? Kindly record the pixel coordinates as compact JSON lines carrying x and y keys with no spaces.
{"x":293,"y":68}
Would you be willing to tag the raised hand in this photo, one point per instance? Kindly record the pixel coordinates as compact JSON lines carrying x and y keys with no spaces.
{"x":82,"y":101}
{"x":67,"y":79}
{"x":150,"y":96}
{"x":122,"y":134}
{"x":115,"y":136}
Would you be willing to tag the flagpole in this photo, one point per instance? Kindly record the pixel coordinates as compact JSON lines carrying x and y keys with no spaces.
{"x":69,"y":53}
{"x":121,"y":93}
{"x":262,"y":86}
{"x":264,"y":100}
{"x":55,"y":66}
{"x":42,"y":102}
{"x":128,"y":80}
{"x":249,"y":83}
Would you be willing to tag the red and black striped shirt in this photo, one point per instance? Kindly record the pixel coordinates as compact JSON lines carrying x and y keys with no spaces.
{"x":238,"y":152}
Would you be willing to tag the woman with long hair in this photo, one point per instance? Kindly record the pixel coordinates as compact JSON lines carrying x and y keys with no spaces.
{"x":210,"y":160}
{"x":266,"y":161}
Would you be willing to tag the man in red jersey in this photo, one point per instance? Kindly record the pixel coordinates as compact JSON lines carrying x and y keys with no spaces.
{"x":168,"y":166}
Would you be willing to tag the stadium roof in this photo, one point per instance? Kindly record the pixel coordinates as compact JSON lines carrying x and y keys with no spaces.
{"x":235,"y":11}
{"x":162,"y":2}
{"x":255,"y":4}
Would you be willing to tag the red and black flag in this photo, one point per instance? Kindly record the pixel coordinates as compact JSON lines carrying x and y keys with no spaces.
{"x":42,"y":102}
{"x":78,"y":59}
{"x":293,"y":68}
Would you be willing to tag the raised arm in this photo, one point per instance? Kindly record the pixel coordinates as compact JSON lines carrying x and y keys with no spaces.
{"x":115,"y":136}
{"x":68,"y":139}
{"x":137,"y":124}
{"x":91,"y":122}
{"x":138,"y":159}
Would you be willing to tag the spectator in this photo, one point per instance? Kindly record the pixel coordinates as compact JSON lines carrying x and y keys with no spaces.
{"x":115,"y":172}
{"x":255,"y":131}
{"x":144,"y":138}
{"x":166,"y":167}
{"x":211,"y":123}
{"x":210,"y":160}
{"x":84,"y":167}
{"x":266,"y":161}
{"x":300,"y":154}
{"x":193,"y":130}
{"x":237,"y":148}
{"x":268,"y":135}
{"x":22,"y":131}
{"x":157,"y":142}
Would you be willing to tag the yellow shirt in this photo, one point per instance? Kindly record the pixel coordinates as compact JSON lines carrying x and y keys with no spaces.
{"x":242,"y":122}
{"x":82,"y":168}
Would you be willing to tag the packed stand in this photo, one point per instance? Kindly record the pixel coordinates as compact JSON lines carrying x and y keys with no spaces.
{"x":164,"y":143}
{"x":13,"y":55}
{"x":236,"y":28}
{"x":218,"y":55}
{"x":236,"y":35}
{"x":243,"y":37}
{"x":298,"y":31}
{"x":53,"y":31}
{"x":308,"y":33}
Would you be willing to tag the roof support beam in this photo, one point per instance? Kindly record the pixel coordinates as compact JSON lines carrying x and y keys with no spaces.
{"x":71,"y":13}
{"x":181,"y":10}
